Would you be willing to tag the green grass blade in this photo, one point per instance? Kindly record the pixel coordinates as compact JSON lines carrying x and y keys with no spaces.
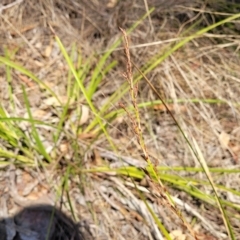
{"x":103,"y":59}
{"x":94,"y":84}
{"x":21,"y":69}
{"x":39,"y":144}
{"x":83,"y":90}
{"x":124,"y":88}
{"x":156,"y":60}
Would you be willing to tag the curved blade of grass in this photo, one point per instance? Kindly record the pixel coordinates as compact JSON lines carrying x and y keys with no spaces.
{"x":157,"y":221}
{"x":73,"y":92}
{"x":8,"y":135}
{"x":10,"y":155}
{"x":156,"y":60}
{"x":97,"y":80}
{"x":119,"y":112}
{"x":65,"y":187}
{"x":196,"y":170}
{"x":21,"y":69}
{"x":20,"y":119}
{"x":39,"y":144}
{"x":202,"y":161}
{"x":83,"y":90}
{"x":7,"y":131}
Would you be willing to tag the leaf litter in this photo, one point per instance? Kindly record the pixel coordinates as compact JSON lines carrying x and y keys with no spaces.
{"x":110,"y":206}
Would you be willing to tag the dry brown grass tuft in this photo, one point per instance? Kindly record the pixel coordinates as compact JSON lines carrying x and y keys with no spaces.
{"x":205,"y":69}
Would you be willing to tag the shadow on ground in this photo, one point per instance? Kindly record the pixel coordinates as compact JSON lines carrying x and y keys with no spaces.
{"x":41,"y":222}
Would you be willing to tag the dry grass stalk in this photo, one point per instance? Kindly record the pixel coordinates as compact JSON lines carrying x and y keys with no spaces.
{"x":160,"y":191}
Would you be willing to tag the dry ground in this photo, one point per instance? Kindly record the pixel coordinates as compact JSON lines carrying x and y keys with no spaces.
{"x":206,"y":68}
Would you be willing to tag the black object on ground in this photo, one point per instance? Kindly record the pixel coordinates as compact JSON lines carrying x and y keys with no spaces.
{"x":40,"y":222}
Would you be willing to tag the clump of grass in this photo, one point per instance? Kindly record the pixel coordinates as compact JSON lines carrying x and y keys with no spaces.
{"x":28,"y":149}
{"x":150,"y":171}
